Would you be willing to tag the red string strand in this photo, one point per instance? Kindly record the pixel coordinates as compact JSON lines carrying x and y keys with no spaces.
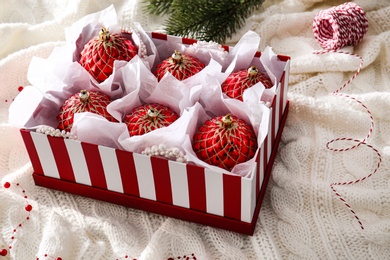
{"x":335,"y":28}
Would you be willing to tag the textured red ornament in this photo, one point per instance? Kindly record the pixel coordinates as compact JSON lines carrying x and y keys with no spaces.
{"x":225,"y":141}
{"x":148,"y":117}
{"x":85,"y":101}
{"x":181,"y":66}
{"x":237,"y":82}
{"x":99,"y":54}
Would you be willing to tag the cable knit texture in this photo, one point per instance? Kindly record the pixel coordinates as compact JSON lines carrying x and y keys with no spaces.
{"x":300,"y":218}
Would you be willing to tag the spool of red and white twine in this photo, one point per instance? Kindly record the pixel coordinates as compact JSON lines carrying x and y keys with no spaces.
{"x":335,"y":28}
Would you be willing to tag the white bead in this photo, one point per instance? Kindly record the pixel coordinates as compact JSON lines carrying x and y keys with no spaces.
{"x":175,"y":151}
{"x":162,"y":147}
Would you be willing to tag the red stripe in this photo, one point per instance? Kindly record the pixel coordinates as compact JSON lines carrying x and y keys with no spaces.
{"x":94,"y":164}
{"x":162,"y":179}
{"x":32,"y":152}
{"x":257,"y":54}
{"x":196,"y":187}
{"x":273,"y":130}
{"x":283,"y":57}
{"x":128,"y":172}
{"x":232,"y":196}
{"x":161,"y":36}
{"x":188,"y":41}
{"x":282,"y":89}
{"x":226,"y":48}
{"x":61,"y":157}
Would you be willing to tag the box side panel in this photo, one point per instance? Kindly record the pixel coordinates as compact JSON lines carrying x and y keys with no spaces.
{"x":111,"y":169}
{"x":232,"y":196}
{"x":179,"y":180}
{"x":94,"y":164}
{"x":196,"y":187}
{"x":145,"y":178}
{"x":214,"y":192}
{"x":61,"y":158}
{"x":45,"y":155}
{"x":128,"y":172}
{"x":248,"y":198}
{"x":32,"y":152}
{"x":77,"y":161}
{"x":162,"y":179}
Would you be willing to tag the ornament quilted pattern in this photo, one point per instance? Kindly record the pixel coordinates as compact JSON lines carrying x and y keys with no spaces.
{"x":225,"y":144}
{"x":99,"y":54}
{"x":149,"y":117}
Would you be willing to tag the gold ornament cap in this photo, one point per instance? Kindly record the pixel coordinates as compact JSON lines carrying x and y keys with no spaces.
{"x":152,"y":114}
{"x":104,"y":34}
{"x":227,"y":121}
{"x":84,"y":96}
{"x":252,"y":71}
{"x":177,"y":57}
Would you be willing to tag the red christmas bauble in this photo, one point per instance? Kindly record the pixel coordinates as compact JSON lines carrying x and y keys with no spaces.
{"x":225,"y":141}
{"x":99,"y":53}
{"x":85,"y":101}
{"x":149,"y":117}
{"x":181,"y":66}
{"x":238,"y":81}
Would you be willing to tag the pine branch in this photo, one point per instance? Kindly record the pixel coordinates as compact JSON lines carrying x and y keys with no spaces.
{"x":204,"y":19}
{"x":159,"y":7}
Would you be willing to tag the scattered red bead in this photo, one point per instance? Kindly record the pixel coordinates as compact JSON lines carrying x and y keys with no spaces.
{"x":20,"y":88}
{"x":7,"y":185}
{"x":28,"y":207}
{"x":3,"y":252}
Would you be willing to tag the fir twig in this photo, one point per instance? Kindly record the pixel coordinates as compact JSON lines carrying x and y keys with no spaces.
{"x":204,"y":19}
{"x":159,"y":7}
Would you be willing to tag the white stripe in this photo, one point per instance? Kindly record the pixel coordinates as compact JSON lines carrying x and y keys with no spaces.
{"x":179,"y":184}
{"x":111,"y":168}
{"x":45,"y":155}
{"x":248,"y":197}
{"x":77,"y":159}
{"x":145,"y":178}
{"x":269,"y":142}
{"x":214,"y":192}
{"x":262,"y":163}
{"x":171,"y":38}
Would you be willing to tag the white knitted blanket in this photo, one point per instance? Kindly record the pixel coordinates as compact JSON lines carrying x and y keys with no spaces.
{"x":301,"y":217}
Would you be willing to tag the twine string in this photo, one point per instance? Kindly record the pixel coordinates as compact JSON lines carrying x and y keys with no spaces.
{"x":335,"y":28}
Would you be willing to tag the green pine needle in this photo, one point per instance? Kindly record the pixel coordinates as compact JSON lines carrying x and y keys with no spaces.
{"x":204,"y":19}
{"x":159,"y":7}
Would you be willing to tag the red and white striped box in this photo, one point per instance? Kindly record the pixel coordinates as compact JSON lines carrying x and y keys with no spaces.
{"x":158,"y":185}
